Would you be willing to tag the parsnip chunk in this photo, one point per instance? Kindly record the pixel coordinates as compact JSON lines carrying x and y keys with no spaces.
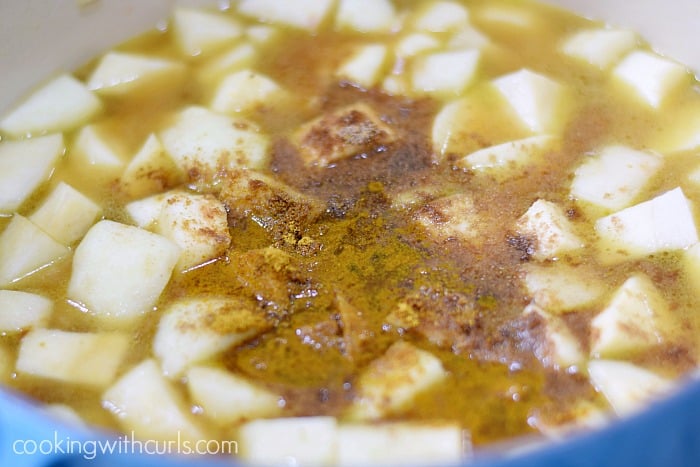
{"x":560,"y":349}
{"x":66,"y":214}
{"x":561,"y":288}
{"x":119,"y":271}
{"x":446,"y":73}
{"x":366,"y":15}
{"x":651,"y":77}
{"x":23,"y":310}
{"x":244,"y":90}
{"x":303,"y":14}
{"x":549,"y":227}
{"x":289,"y":441}
{"x":614,"y":177}
{"x":663,"y":223}
{"x":601,"y":48}
{"x":195,"y":329}
{"x":627,"y":387}
{"x":24,"y":165}
{"x":120,"y":74}
{"x":25,"y":249}
{"x":365,"y":66}
{"x":228,"y":398}
{"x":151,"y":170}
{"x":513,"y":154}
{"x":75,"y":357}
{"x":450,"y":217}
{"x":636,"y":319}
{"x":62,"y":104}
{"x":144,"y":402}
{"x":442,"y":16}
{"x":200,"y":32}
{"x":390,"y":382}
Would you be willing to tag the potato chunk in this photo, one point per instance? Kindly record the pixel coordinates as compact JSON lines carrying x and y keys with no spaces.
{"x":93,"y":152}
{"x":25,"y":249}
{"x":510,"y":155}
{"x":651,"y":77}
{"x":66,"y":214}
{"x":24,"y":165}
{"x":636,"y":319}
{"x":553,"y":233}
{"x":119,"y":271}
{"x":23,"y":310}
{"x":121,"y":74}
{"x":450,"y":217}
{"x":663,"y":223}
{"x":303,"y":14}
{"x":62,"y":104}
{"x":390,"y":382}
{"x":560,"y":348}
{"x":365,"y":67}
{"x":75,"y":357}
{"x":228,"y":398}
{"x":151,"y":170}
{"x":601,"y":48}
{"x":366,"y":15}
{"x":144,"y":402}
{"x":243,"y":90}
{"x":195,"y":329}
{"x":199,"y":32}
{"x":445,"y":73}
{"x":442,"y":16}
{"x":561,"y":288}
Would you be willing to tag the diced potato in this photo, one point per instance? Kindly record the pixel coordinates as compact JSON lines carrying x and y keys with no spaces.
{"x":24,"y":165}
{"x":442,"y":16}
{"x":203,"y":142}
{"x":198,"y":224}
{"x":151,"y":170}
{"x":261,"y":34}
{"x":510,"y":155}
{"x":416,"y":43}
{"x":228,"y":398}
{"x":365,"y":66}
{"x":62,"y":104}
{"x":120,"y":74}
{"x":390,"y":382}
{"x":244,"y":90}
{"x":144,"y":212}
{"x":199,"y":32}
{"x":399,"y":443}
{"x":663,"y":223}
{"x":195,"y":329}
{"x":239,"y":57}
{"x":75,"y":357}
{"x":651,"y":77}
{"x":601,"y":48}
{"x":535,"y":98}
{"x":507,"y":15}
{"x":445,"y":73}
{"x":139,"y":266}
{"x":468,"y":37}
{"x":303,"y":14}
{"x":65,"y":414}
{"x":562,"y":288}
{"x":627,"y":387}
{"x":366,"y":15}
{"x":144,"y":402}
{"x":289,"y":441}
{"x":66,"y":214}
{"x":552,"y":232}
{"x":452,"y":216}
{"x":92,"y":150}
{"x":614,"y":177}
{"x":25,"y":249}
{"x":560,"y":348}
{"x":23,"y":310}
{"x":636,"y":319}
{"x":582,"y":416}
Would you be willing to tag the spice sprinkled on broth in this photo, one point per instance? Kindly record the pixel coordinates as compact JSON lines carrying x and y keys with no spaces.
{"x":436,"y":224}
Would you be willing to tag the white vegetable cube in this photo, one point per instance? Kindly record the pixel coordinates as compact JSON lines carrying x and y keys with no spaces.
{"x":144,"y":402}
{"x":468,"y":37}
{"x":119,"y":74}
{"x":561,"y":288}
{"x":447,"y":72}
{"x":25,"y":249}
{"x":627,"y":387}
{"x":200,"y":32}
{"x":198,"y":224}
{"x":535,"y":98}
{"x":238,"y":57}
{"x":507,"y":15}
{"x":23,"y":310}
{"x":139,"y":266}
{"x":228,"y":398}
{"x":614,"y":177}
{"x":512,"y":154}
{"x":63,"y":103}
{"x":193,"y":330}
{"x":399,"y":444}
{"x":365,"y":15}
{"x":442,"y":16}
{"x":92,"y":150}
{"x":66,"y":214}
{"x":303,"y":14}
{"x":75,"y":357}
{"x":151,"y":170}
{"x":416,"y":43}
{"x":450,"y":217}
{"x":144,"y":212}
{"x":663,"y":223}
{"x":205,"y":142}
{"x":560,"y":348}
{"x":244,"y":90}
{"x":289,"y":441}
{"x":24,"y":165}
{"x":651,"y":77}
{"x":393,"y":380}
{"x":601,"y":48}
{"x":636,"y":319}
{"x":365,"y":66}
{"x":261,"y":34}
{"x":551,"y":230}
